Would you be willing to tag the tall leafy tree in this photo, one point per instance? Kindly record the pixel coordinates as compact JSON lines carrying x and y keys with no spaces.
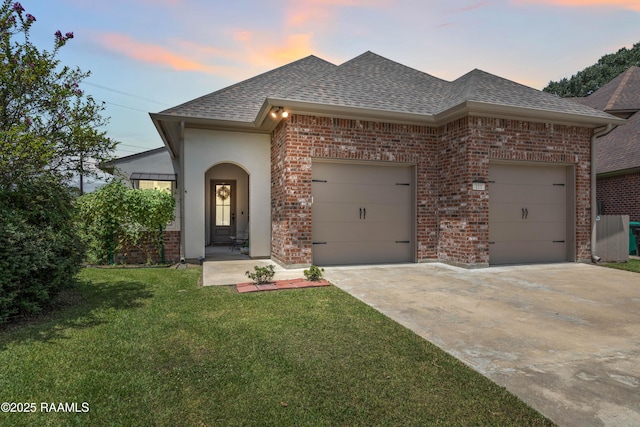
{"x":48,"y":127}
{"x":592,"y":78}
{"x":47,"y":123}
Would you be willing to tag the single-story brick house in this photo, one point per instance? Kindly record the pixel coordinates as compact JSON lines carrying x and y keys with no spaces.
{"x":372,"y":161}
{"x":618,"y":152}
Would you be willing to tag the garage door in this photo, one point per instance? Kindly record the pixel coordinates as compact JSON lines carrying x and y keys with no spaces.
{"x":361,"y":213}
{"x":527,"y":214}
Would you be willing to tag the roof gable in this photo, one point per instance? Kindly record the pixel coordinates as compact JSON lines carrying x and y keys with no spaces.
{"x":482,"y":87}
{"x":242,"y":101}
{"x":373,"y":82}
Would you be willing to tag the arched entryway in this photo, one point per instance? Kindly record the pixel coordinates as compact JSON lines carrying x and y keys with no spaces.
{"x":226,"y":204}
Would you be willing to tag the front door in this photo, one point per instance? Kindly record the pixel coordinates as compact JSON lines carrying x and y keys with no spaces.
{"x":223,"y":211}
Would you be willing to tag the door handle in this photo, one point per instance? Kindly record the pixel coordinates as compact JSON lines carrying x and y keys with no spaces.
{"x":364,"y":212}
{"x":360,"y":213}
{"x":522,"y":213}
{"x":233,"y":218}
{"x":526,"y":213}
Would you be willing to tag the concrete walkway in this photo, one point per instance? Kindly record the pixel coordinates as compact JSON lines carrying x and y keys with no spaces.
{"x":565,"y":338}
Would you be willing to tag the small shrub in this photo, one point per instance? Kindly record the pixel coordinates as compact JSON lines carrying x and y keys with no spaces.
{"x":261,"y":275}
{"x":314,"y":273}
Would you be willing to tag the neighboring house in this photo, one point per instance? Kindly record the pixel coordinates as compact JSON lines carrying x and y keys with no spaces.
{"x":151,"y":169}
{"x":618,"y":152}
{"x":372,"y":161}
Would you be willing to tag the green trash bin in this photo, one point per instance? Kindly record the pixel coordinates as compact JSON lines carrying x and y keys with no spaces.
{"x":633,"y":226}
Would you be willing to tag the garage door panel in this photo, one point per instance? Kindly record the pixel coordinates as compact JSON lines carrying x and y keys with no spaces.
{"x":340,"y":253}
{"x":518,"y":212}
{"x":400,"y":212}
{"x":359,"y":193}
{"x":360,"y":231}
{"x":360,"y":212}
{"x":519,"y":231}
{"x":527,"y":213}
{"x":527,"y":194}
{"x":527,"y":174}
{"x":510,"y":252}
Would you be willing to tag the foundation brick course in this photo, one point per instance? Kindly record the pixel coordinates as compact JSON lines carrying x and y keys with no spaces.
{"x":138,"y":255}
{"x":452,"y":220}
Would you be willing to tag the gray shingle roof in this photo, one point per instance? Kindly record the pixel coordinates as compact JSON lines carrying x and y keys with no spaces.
{"x":620,"y":94}
{"x":480,"y":86}
{"x":619,"y":149}
{"x":242,"y":101}
{"x":370,"y":81}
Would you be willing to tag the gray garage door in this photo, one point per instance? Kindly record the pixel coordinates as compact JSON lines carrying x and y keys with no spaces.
{"x":361,"y":213}
{"x":527,"y":214}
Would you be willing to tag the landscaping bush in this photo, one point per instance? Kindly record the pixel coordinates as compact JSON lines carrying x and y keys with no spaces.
{"x":116,"y":216}
{"x":40,"y":249}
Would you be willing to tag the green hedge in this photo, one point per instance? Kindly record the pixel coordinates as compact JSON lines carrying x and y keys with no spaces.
{"x":40,"y":250}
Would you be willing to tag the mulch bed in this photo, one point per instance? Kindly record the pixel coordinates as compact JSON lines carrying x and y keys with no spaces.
{"x":280,"y":284}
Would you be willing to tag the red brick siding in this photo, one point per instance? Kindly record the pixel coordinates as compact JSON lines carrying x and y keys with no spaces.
{"x":301,"y":138}
{"x":452,"y":220}
{"x":620,"y":195}
{"x":463,"y":214}
{"x":137,"y":254}
{"x":544,"y":142}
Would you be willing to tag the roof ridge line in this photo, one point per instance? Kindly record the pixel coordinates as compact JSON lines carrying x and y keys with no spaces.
{"x":619,"y":89}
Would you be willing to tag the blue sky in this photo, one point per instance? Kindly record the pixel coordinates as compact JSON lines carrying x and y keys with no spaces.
{"x":148,"y":55}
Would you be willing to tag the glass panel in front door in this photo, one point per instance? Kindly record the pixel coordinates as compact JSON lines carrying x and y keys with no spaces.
{"x":223,"y":205}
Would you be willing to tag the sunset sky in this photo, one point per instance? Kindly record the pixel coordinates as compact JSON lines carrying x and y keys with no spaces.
{"x":148,"y":55}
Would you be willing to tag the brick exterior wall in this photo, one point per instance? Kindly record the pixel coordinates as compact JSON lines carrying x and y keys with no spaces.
{"x":137,"y":254}
{"x":452,"y":220}
{"x":500,"y":139}
{"x":620,"y":195}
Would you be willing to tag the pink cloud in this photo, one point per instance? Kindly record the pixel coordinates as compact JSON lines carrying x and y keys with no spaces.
{"x":620,"y":4}
{"x":472,"y":7}
{"x":320,"y":12}
{"x":150,"y":53}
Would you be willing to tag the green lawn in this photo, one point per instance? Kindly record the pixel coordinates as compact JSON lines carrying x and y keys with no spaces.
{"x":631,"y":265}
{"x":150,"y":347}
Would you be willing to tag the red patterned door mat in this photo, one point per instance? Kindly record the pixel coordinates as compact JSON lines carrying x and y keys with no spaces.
{"x":280,"y":284}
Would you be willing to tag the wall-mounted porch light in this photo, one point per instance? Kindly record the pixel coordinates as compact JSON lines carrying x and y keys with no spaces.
{"x":279,"y":112}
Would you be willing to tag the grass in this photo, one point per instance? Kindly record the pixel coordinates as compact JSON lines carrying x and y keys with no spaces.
{"x":631,"y":265}
{"x":149,"y":347}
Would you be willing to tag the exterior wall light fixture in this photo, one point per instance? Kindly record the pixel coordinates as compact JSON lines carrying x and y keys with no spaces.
{"x":279,"y":112}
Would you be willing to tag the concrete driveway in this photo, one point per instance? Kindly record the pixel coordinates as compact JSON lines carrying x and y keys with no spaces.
{"x":565,"y":338}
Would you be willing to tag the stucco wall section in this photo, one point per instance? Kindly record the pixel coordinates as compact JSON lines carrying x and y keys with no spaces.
{"x":206,"y":148}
